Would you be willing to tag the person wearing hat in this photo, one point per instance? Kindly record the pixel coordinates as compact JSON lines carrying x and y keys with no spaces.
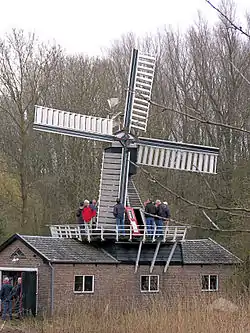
{"x":165,"y":211}
{"x":6,"y":298}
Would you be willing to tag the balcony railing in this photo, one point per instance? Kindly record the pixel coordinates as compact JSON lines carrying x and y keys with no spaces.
{"x":165,"y":233}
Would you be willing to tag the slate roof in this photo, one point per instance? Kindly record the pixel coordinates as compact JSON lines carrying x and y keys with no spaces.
{"x":67,"y":250}
{"x":127,"y":252}
{"x":199,"y":251}
{"x":206,"y":251}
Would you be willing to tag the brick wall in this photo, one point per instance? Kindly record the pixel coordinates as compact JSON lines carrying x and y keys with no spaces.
{"x":31,"y":260}
{"x":113,"y":282}
{"x":120,"y":283}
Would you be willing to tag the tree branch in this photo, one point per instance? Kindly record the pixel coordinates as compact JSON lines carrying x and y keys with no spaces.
{"x":191,"y":203}
{"x":228,"y":20}
{"x":201,"y":120}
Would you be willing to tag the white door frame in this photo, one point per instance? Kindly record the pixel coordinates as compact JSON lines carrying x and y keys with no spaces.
{"x":21,"y":269}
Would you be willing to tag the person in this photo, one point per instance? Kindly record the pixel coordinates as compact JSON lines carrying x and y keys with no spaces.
{"x":87,"y":215}
{"x":118,"y":212}
{"x":166,"y":211}
{"x":79,"y":213}
{"x":6,"y":298}
{"x":158,"y":220}
{"x":17,"y":294}
{"x":93,"y":206}
{"x":150,"y":209}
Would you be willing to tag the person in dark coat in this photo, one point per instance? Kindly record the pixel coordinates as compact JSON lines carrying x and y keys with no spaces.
{"x":6,"y":298}
{"x":17,"y":294}
{"x":165,"y":211}
{"x":79,"y":213}
{"x":118,"y":212}
{"x":158,"y":220}
{"x":150,"y":209}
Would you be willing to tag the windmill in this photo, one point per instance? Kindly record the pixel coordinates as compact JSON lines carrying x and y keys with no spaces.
{"x":127,"y":149}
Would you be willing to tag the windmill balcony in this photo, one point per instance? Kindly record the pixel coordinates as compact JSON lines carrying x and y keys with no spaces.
{"x":131,"y":233}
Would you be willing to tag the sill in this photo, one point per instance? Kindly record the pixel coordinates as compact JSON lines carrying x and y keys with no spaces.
{"x":83,"y":292}
{"x":149,"y":291}
{"x":207,"y":290}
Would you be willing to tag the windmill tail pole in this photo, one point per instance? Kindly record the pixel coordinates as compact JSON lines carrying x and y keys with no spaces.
{"x":127,"y":126}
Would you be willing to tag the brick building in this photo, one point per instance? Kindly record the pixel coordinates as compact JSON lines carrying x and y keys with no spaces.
{"x":60,"y":270}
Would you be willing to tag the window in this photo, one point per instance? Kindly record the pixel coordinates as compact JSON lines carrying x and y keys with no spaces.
{"x":209,"y":282}
{"x":149,"y":283}
{"x":17,"y":254}
{"x":84,"y":284}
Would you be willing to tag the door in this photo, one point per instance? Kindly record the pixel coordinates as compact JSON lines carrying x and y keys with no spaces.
{"x":29,"y":292}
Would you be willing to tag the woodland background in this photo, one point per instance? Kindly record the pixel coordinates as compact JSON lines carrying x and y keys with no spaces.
{"x":204,"y":72}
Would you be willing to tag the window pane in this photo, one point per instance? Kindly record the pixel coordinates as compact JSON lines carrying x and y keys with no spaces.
{"x":145,"y":283}
{"x":205,"y":282}
{"x":213,"y":282}
{"x":88,"y":283}
{"x":154,"y":283}
{"x":78,"y":283}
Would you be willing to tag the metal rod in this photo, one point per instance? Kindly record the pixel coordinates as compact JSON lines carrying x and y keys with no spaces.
{"x":170,"y":256}
{"x":138,"y":257}
{"x":155,"y":256}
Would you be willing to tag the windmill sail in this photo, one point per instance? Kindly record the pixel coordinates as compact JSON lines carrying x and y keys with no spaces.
{"x":142,"y":87}
{"x":177,"y":155}
{"x":73,"y":124}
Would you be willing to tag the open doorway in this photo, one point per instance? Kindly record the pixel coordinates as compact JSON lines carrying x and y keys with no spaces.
{"x":28,"y":298}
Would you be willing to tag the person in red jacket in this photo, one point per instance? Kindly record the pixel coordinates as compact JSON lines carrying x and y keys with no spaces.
{"x":87,"y":215}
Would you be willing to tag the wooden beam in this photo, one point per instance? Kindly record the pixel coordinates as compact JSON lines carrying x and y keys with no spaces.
{"x":170,"y":256}
{"x":138,"y":257}
{"x":155,"y":256}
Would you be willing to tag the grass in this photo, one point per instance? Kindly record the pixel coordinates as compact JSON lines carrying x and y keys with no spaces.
{"x":191,"y":316}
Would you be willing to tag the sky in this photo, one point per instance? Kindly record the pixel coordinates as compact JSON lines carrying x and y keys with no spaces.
{"x":89,"y":26}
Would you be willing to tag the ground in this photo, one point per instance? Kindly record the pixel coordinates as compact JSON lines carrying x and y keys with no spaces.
{"x":13,"y":328}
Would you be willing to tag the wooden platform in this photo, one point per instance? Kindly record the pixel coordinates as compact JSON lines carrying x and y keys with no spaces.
{"x":81,"y":232}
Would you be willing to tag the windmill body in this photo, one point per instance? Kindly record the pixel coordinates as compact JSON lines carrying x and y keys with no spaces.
{"x":127,"y":150}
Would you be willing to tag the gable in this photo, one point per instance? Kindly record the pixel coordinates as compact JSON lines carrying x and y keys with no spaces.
{"x":17,"y":249}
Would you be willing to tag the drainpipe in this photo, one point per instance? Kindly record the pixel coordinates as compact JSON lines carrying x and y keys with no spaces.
{"x":52,"y":289}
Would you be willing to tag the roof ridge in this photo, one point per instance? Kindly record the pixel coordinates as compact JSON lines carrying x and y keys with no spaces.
{"x":108,"y":254}
{"x":43,"y":255}
{"x":212,"y":240}
{"x":36,"y":236}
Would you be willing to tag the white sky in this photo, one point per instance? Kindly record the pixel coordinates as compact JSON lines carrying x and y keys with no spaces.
{"x":85,"y":26}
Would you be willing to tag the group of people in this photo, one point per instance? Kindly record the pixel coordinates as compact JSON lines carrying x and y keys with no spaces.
{"x":7,"y":294}
{"x":157,"y":214}
{"x":87,"y":212}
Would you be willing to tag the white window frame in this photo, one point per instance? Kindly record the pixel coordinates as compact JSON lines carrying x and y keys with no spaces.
{"x":84,"y":291}
{"x":209,"y":282}
{"x":149,"y":291}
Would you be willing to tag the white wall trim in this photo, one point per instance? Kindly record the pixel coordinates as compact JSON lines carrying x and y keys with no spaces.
{"x":19,"y":269}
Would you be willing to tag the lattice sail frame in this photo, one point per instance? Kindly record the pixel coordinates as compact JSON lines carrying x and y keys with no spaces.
{"x":144,"y":75}
{"x":177,"y":159}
